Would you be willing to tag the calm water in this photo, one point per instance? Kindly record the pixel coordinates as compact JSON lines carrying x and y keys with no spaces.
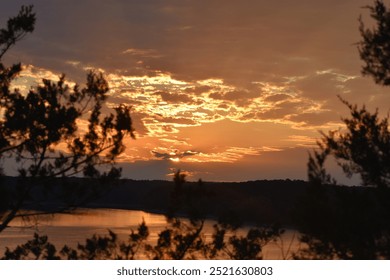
{"x":75,"y":228}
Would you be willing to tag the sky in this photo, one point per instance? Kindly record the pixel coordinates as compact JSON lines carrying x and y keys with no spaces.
{"x":223,"y":90}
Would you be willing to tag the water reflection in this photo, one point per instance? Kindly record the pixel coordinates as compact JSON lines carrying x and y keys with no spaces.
{"x":72,"y":229}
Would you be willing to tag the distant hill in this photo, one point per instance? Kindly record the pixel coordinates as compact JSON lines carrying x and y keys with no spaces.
{"x":254,"y":201}
{"x":264,"y":201}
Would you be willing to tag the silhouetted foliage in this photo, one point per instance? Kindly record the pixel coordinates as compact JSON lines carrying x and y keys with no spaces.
{"x":109,"y":247}
{"x":54,"y":130}
{"x":374,"y":48}
{"x":17,"y":28}
{"x":39,"y":248}
{"x":353,"y":223}
{"x":349,"y":223}
{"x":344,"y":223}
{"x":375,"y":52}
{"x":228,"y":244}
{"x":364,"y":149}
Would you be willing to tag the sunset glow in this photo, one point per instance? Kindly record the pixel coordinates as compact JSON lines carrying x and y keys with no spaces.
{"x":228,"y":92}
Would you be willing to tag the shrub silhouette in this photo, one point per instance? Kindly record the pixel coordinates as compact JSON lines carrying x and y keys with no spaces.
{"x":41,"y":129}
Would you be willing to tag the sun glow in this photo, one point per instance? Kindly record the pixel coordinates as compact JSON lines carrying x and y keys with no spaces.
{"x":176,"y":159}
{"x":167,"y":112}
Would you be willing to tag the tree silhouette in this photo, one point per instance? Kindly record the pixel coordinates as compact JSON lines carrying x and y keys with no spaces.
{"x":53,"y":130}
{"x":364,"y":149}
{"x":374,"y":48}
{"x":353,"y":223}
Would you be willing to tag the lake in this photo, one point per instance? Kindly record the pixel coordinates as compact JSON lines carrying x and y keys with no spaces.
{"x":72,"y":229}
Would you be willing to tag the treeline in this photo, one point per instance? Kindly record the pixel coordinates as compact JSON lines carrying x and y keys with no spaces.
{"x":252,"y":202}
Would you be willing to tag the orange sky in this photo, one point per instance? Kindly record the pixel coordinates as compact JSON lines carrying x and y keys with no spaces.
{"x":234,"y":91}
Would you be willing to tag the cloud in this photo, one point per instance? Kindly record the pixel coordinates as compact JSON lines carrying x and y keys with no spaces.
{"x":175,"y":97}
{"x":266,"y":165}
{"x":259,"y":39}
{"x":240,"y":94}
{"x":277,"y":97}
{"x":173,"y":154}
{"x":207,"y":77}
{"x":198,"y":89}
{"x":143,"y":53}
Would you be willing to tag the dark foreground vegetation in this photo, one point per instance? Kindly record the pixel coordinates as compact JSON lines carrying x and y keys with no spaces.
{"x":334,"y":222}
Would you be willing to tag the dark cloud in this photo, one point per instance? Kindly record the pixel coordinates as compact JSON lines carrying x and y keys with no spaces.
{"x":217,"y":95}
{"x":139,"y":124}
{"x":277,"y":97}
{"x":161,"y":155}
{"x":175,"y":97}
{"x":223,"y":106}
{"x":240,"y":97}
{"x":240,"y":94}
{"x":237,"y":41}
{"x":198,"y":89}
{"x":175,"y":120}
{"x":173,"y":154}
